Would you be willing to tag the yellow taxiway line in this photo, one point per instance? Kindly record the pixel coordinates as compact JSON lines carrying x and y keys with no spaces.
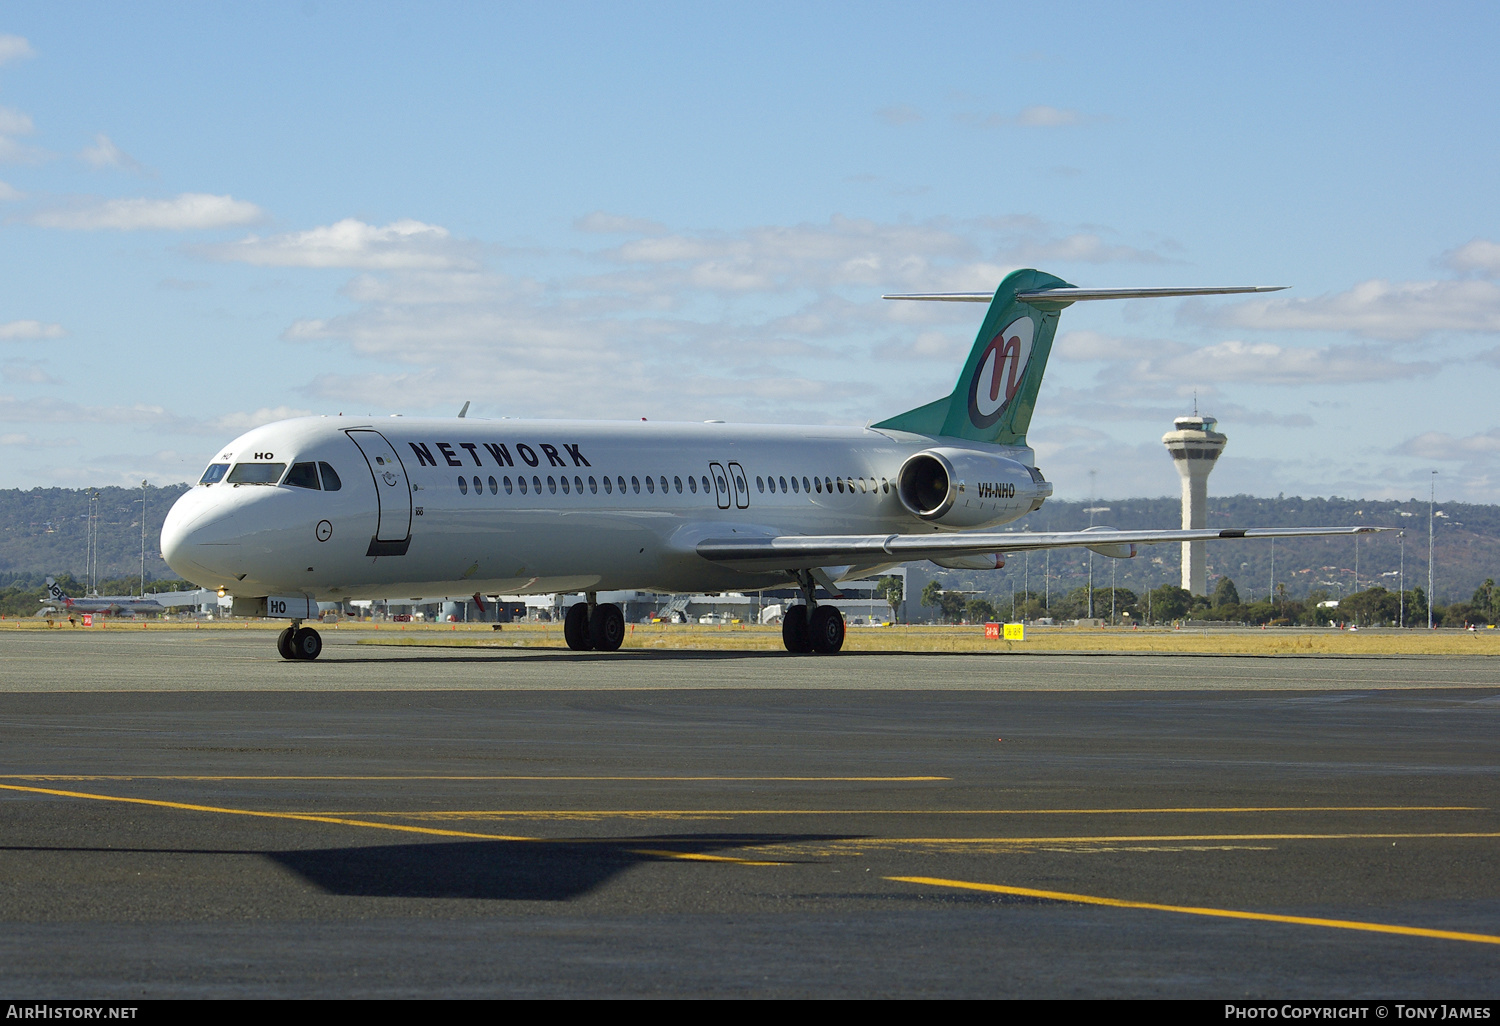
{"x":667,"y":813}
{"x":344,"y":821}
{"x":145,"y":776}
{"x":1222,"y":913}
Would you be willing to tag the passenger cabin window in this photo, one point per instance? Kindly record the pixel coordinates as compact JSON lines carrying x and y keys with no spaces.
{"x":463,"y":486}
{"x":302,"y":475}
{"x":256,"y":473}
{"x":331,"y":482}
{"x":214,"y":474}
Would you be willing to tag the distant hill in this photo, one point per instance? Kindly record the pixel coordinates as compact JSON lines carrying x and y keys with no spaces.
{"x":44,"y":531}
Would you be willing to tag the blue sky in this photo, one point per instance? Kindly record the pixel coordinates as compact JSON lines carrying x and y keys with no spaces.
{"x":213,"y":215}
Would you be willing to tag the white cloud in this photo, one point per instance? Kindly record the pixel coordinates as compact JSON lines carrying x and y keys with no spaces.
{"x":1395,"y":311}
{"x":13,"y":122}
{"x":30,"y":329}
{"x":9,"y":193}
{"x":12,"y":152}
{"x":105,"y":154}
{"x":13,"y":48}
{"x":1233,"y":360}
{"x":1437,"y":445}
{"x":27,"y":372}
{"x":1043,"y":116}
{"x":899,"y":114}
{"x":601,"y":223}
{"x":1039,"y":115}
{"x":239,"y":422}
{"x":189,"y":211}
{"x":43,"y":409}
{"x":400,"y":245}
{"x":1479,"y":255}
{"x":1265,"y":363}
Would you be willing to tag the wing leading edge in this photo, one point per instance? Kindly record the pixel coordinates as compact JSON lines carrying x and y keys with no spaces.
{"x":797,"y":552}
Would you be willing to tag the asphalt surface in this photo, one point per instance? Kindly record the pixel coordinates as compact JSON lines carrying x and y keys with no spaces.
{"x":183,"y":814}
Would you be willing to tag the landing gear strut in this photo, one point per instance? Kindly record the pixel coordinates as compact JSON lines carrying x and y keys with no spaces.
{"x":811,"y":627}
{"x":299,"y":642}
{"x":594,"y":625}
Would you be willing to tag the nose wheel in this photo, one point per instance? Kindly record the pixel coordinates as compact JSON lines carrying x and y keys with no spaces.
{"x":298,"y":642}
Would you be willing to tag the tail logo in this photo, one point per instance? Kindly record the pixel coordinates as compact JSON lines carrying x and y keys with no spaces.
{"x":1001,"y":369}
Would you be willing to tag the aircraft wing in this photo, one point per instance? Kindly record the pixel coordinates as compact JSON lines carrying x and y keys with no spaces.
{"x":795,"y":552}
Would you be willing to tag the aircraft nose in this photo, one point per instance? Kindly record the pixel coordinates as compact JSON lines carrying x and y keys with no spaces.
{"x":191,"y":537}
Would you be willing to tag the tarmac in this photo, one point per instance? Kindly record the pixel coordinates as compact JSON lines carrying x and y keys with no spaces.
{"x":183,"y":814}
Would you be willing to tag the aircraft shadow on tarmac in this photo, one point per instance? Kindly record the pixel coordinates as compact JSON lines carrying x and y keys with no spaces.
{"x":501,"y":870}
{"x":562,"y":655}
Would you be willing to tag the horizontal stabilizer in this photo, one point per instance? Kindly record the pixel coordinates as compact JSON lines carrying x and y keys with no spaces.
{"x":1074,"y":295}
{"x":794,"y":552}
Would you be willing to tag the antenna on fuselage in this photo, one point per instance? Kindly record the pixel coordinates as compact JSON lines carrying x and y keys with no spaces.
{"x":465,"y":410}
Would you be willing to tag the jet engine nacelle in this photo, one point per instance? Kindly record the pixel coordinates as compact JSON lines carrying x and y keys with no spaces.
{"x":992,"y":561}
{"x":962,"y":488}
{"x":1114,"y":550}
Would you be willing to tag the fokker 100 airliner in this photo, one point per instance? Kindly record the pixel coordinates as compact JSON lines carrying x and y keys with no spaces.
{"x":335,"y":508}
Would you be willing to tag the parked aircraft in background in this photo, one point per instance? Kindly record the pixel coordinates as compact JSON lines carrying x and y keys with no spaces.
{"x":98,"y":603}
{"x":337,"y":508}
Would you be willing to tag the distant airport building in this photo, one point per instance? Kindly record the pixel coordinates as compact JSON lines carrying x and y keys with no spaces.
{"x":1195,"y":448}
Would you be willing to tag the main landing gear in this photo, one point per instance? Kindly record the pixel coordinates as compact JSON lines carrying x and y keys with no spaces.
{"x":592,"y":625}
{"x":811,"y":627}
{"x":299,"y":642}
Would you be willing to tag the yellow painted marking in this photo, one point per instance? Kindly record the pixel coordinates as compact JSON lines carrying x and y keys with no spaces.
{"x":668,"y":813}
{"x":1222,"y":913}
{"x":144,"y":776}
{"x":1171,"y":838}
{"x":694,"y":857}
{"x":341,"y":821}
{"x":301,"y":816}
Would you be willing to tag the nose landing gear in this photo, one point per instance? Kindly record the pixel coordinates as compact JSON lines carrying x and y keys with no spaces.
{"x":298,"y":642}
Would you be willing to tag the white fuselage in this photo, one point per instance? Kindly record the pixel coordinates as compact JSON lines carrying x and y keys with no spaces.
{"x":437,"y":507}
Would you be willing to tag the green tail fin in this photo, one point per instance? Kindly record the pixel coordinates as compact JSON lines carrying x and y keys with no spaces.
{"x":997,"y":390}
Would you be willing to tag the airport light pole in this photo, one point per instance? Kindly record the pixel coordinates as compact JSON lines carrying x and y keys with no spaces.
{"x":1431,"y":499}
{"x":1401,"y":578}
{"x":1091,"y":511}
{"x":143,"y":538}
{"x":1093,"y":493}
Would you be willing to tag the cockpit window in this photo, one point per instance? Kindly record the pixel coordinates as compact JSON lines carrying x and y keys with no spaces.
{"x":256,"y":473}
{"x":303,"y":475}
{"x":331,"y":482}
{"x":214,"y":474}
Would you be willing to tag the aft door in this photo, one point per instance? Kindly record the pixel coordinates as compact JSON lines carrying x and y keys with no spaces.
{"x":392,"y":491}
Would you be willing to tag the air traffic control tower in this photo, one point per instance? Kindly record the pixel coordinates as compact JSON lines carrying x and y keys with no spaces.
{"x":1195,"y":447}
